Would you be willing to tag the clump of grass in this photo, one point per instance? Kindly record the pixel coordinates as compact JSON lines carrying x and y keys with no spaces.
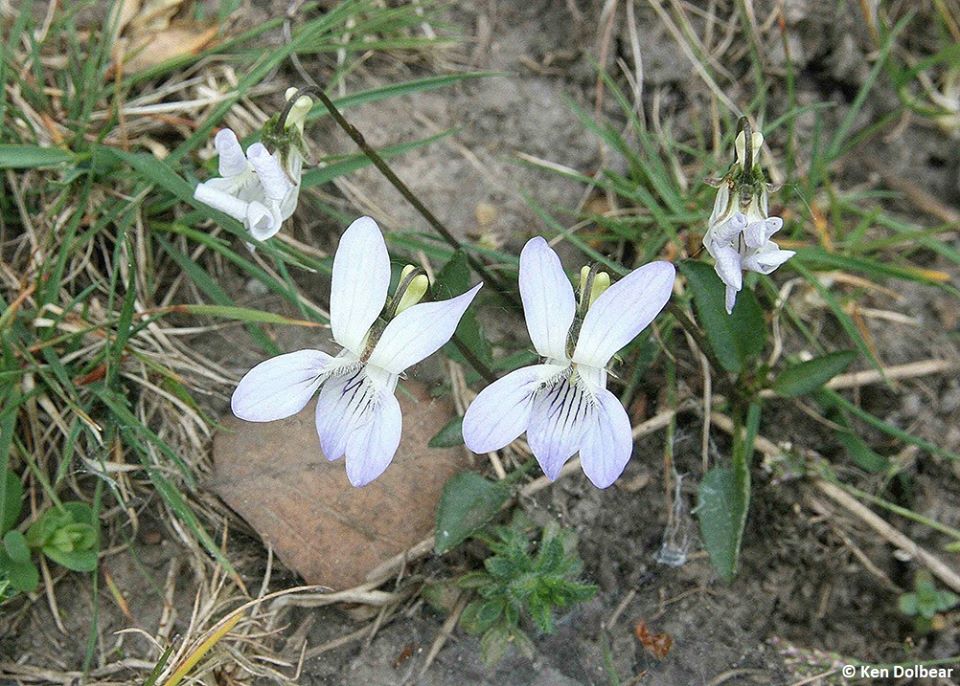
{"x":110,"y":270}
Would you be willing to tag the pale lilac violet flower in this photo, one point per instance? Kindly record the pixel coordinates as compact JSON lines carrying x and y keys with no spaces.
{"x":260,"y":189}
{"x":357,"y":412}
{"x":739,"y":231}
{"x":563,"y":403}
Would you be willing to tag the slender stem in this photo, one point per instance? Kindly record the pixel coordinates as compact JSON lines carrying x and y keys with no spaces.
{"x":695,"y":332}
{"x":388,"y":173}
{"x":482,"y":369}
{"x":379,"y":163}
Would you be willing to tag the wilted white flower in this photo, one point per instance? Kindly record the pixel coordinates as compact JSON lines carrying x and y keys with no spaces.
{"x":357,"y":412}
{"x":563,"y":404}
{"x":739,"y":231}
{"x":260,"y":188}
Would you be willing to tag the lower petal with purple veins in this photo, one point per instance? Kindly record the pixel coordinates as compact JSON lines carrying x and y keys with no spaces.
{"x":346,"y":402}
{"x":559,"y":417}
{"x":371,"y":447}
{"x":607,"y":442}
{"x":501,"y":412}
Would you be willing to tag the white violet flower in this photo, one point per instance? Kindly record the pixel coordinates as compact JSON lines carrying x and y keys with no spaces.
{"x":260,"y":188}
{"x":563,"y":403}
{"x":357,"y":412}
{"x":739,"y":231}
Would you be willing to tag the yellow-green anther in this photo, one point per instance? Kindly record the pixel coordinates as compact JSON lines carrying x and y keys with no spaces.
{"x":601,"y":282}
{"x":584,"y":274}
{"x":597,"y":282}
{"x":415,"y":290}
{"x":298,"y":112}
{"x":406,"y":271}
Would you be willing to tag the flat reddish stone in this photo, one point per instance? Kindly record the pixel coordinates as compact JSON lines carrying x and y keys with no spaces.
{"x":275,"y":477}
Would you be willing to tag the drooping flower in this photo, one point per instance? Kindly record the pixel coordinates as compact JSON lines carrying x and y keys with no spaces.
{"x":260,"y":188}
{"x":739,"y":231}
{"x":357,"y":412}
{"x":563,"y":403}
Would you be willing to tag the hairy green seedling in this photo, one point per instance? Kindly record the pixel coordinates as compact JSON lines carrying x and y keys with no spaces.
{"x":522,"y":581}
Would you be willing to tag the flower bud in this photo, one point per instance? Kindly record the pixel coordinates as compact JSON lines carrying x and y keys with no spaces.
{"x":298,"y":113}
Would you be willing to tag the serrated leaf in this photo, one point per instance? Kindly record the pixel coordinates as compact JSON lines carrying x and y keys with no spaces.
{"x":805,"y":377}
{"x":736,"y":338}
{"x":495,"y":643}
{"x":541,"y":613}
{"x":472,"y":580}
{"x":501,"y":567}
{"x":450,"y":436}
{"x":468,"y":502}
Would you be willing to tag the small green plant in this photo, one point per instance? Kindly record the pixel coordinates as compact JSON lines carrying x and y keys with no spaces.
{"x":925,"y":602}
{"x":66,"y":533}
{"x":521,"y":581}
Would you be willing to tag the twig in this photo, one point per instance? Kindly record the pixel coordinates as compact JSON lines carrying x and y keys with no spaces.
{"x":445,"y":631}
{"x":936,"y":566}
{"x":621,"y":606}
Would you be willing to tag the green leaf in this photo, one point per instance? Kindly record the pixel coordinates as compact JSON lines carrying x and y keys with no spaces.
{"x":800,"y":379}
{"x":908,"y":604}
{"x":76,"y":545}
{"x":243,"y":314}
{"x":455,"y":279}
{"x":480,"y":615}
{"x":16,"y":547}
{"x":450,"y":436}
{"x":12,"y":502}
{"x":32,"y":157}
{"x":946,"y":600}
{"x":542,"y":614}
{"x":472,"y":580}
{"x":861,"y":453}
{"x":495,"y":643}
{"x":722,"y":513}
{"x":735,"y":338}
{"x":502,"y":568}
{"x":23,"y":576}
{"x":153,"y":170}
{"x":468,"y":502}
